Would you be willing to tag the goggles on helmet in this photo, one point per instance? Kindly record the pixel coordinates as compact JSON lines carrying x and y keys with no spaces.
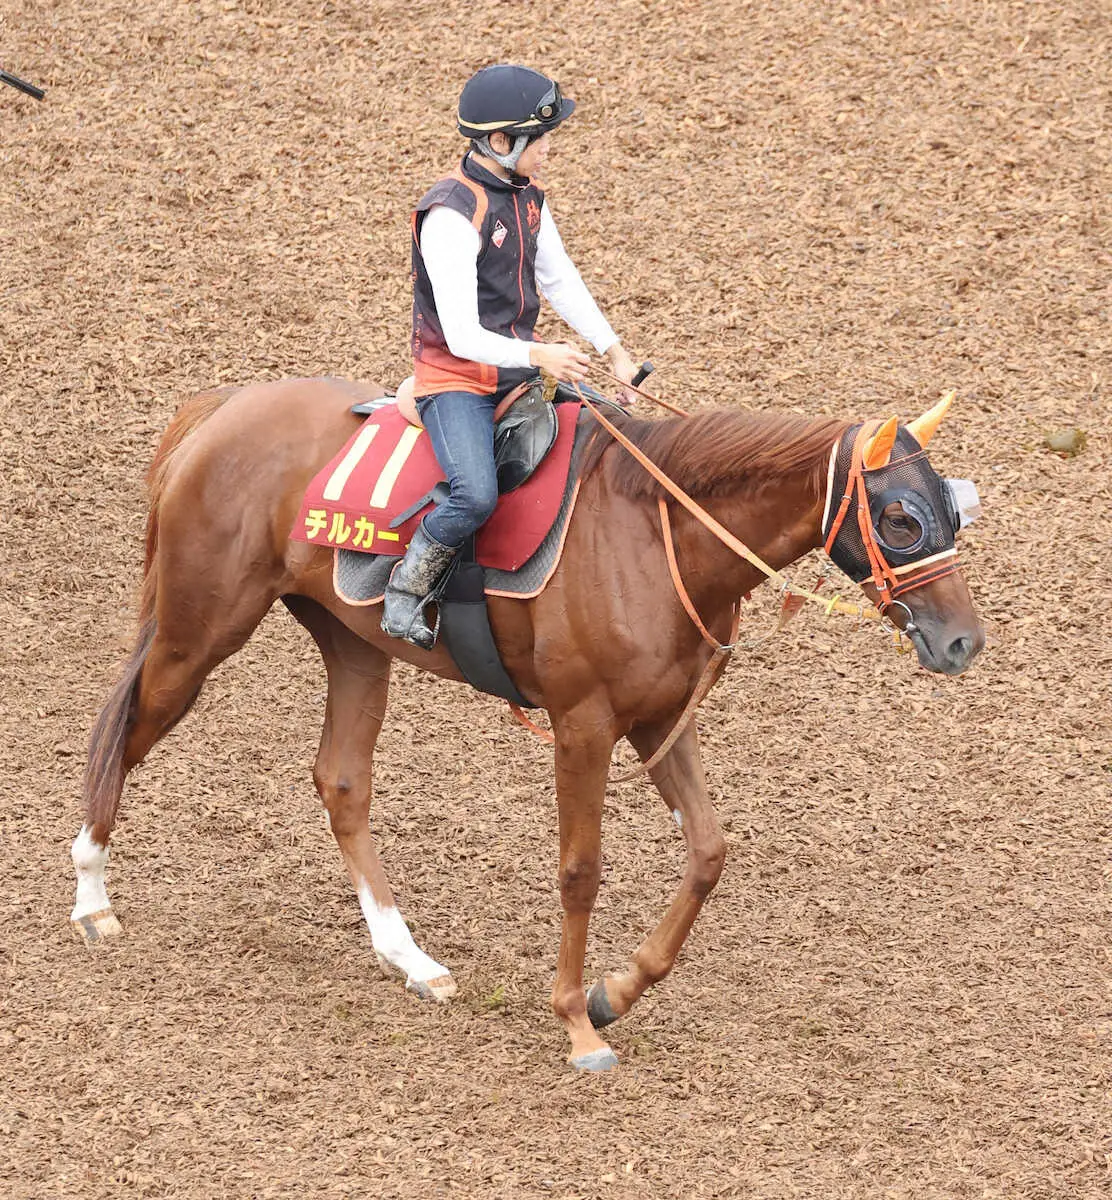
{"x":549,"y":106}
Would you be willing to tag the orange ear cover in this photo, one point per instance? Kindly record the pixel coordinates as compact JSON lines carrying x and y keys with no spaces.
{"x":879,"y":449}
{"x":922,"y":429}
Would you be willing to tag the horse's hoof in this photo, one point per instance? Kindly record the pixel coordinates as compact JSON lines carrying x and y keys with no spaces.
{"x":95,"y":927}
{"x":598,"y":1006}
{"x":603,"y":1059}
{"x":439,"y":990}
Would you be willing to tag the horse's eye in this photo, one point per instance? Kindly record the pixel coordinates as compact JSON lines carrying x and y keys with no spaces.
{"x":898,"y":528}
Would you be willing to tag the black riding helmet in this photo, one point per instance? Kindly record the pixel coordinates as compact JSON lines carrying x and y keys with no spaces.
{"x":512,"y":100}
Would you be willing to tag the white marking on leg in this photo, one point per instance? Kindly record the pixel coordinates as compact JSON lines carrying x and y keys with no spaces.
{"x":89,"y":860}
{"x":391,"y":939}
{"x":677,"y":816}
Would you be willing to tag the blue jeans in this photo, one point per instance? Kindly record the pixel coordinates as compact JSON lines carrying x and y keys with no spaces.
{"x":461,"y":429}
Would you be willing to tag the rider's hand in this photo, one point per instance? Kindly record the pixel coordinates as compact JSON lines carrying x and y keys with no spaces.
{"x":565,"y":362}
{"x":625,"y":368}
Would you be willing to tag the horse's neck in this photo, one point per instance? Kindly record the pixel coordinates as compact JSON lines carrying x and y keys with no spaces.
{"x":779,"y":524}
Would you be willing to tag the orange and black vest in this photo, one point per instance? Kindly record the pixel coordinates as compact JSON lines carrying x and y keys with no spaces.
{"x":508,"y":217}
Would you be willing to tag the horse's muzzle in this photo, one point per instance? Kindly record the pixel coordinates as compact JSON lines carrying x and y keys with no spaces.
{"x":944,"y":649}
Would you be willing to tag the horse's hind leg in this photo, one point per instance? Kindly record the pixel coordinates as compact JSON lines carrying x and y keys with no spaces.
{"x":175,"y":653}
{"x":682,"y":785}
{"x":358,"y":681}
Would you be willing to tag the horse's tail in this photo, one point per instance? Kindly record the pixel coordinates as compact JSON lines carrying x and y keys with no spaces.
{"x":104,"y":771}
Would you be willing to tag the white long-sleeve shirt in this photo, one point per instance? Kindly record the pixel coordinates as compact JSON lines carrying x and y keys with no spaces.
{"x":450,"y":247}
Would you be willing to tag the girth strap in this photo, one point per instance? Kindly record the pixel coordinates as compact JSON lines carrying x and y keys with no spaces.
{"x":466,"y":633}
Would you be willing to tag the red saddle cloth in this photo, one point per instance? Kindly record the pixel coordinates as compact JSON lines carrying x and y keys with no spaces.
{"x":389,"y":464}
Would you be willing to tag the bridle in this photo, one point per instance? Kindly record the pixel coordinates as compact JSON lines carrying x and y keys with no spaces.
{"x":829,"y":605}
{"x":890,"y":582}
{"x":884,"y":576}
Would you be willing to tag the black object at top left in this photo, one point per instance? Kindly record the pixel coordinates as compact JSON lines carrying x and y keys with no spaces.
{"x":22,"y":85}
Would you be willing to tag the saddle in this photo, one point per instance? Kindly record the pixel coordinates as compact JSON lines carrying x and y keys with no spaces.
{"x":525,"y":429}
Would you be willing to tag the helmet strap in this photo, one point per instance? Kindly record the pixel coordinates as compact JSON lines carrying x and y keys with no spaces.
{"x":509,"y":161}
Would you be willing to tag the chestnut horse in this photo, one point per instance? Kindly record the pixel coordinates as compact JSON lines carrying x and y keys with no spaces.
{"x":607,"y":648}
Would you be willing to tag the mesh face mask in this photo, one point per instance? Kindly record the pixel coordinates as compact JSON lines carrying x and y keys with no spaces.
{"x":935,"y":509}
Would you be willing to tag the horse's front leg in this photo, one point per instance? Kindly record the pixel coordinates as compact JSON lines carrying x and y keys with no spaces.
{"x":583,"y":749}
{"x":680,"y":780}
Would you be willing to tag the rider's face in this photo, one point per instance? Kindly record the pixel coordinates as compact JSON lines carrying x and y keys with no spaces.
{"x":533,"y":156}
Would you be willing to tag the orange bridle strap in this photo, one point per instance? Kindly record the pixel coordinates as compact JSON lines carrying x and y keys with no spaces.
{"x":882,"y":576}
{"x":925,"y":576}
{"x":715,"y":665}
{"x":681,"y":591}
{"x":720,"y":651}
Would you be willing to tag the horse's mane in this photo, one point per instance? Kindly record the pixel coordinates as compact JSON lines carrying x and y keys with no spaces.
{"x":718,"y":452}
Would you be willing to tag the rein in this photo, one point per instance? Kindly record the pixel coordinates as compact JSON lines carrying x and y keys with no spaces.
{"x":883,"y":575}
{"x":716,"y":664}
{"x":834,"y":604}
{"x":721,"y":652}
{"x":672,"y":408}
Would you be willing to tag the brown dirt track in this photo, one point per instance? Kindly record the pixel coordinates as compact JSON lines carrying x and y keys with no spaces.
{"x":901,"y":986}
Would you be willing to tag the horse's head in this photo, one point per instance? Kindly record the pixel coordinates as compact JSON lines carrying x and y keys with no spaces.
{"x":890,"y":523}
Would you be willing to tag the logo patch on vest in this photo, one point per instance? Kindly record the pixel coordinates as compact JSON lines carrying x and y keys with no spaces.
{"x":499,"y":234}
{"x":533,"y":216}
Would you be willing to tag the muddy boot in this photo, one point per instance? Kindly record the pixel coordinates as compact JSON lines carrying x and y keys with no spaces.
{"x":410,"y":584}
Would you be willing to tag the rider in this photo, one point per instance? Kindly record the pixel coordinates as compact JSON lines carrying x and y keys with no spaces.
{"x":484,"y":248}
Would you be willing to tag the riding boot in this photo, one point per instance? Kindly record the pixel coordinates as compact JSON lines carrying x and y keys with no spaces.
{"x":410,"y":585}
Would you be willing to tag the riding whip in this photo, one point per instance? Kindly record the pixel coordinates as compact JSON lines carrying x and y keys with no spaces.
{"x":21,"y":84}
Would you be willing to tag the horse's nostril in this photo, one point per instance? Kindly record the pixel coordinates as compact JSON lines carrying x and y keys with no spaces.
{"x":959,"y":650}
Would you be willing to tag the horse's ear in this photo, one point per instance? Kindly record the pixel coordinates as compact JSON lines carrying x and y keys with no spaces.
{"x":879,"y":449}
{"x":922,"y":428}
